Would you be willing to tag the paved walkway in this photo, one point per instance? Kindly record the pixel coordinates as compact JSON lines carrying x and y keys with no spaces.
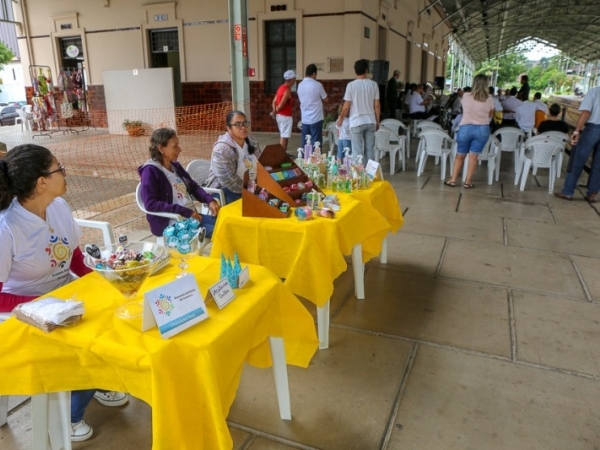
{"x":481,"y":332}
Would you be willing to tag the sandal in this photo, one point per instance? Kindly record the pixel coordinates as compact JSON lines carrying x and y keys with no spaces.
{"x":468,"y":186}
{"x":450,"y":183}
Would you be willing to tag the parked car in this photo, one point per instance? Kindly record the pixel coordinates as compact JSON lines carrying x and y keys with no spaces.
{"x":8,"y":115}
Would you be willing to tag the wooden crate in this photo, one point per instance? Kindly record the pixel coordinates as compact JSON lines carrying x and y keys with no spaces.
{"x":253,"y":206}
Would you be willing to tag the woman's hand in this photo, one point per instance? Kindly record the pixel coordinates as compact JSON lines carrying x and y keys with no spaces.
{"x":214,"y":208}
{"x":196,"y":215}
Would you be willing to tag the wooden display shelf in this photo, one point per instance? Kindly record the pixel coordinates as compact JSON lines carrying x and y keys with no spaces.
{"x":253,"y":206}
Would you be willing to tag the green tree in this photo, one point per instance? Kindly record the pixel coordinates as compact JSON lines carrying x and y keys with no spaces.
{"x":508,"y":68}
{"x":6,"y":55}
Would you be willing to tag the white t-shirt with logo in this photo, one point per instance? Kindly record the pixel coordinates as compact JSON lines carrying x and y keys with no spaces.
{"x":246,"y":161}
{"x":36,"y":254}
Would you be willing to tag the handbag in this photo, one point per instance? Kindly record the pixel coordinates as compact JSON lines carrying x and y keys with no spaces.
{"x":66,"y":108}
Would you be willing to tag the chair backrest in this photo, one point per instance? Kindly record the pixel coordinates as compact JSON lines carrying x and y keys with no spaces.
{"x":199,"y":170}
{"x":334,"y":134}
{"x":382,"y":140}
{"x":490,"y":149}
{"x":510,"y":138}
{"x":434,"y":141}
{"x":428,"y":124}
{"x":108,"y":235}
{"x":542,"y":150}
{"x":394,"y":125}
{"x":140,"y":203}
{"x":564,"y":137}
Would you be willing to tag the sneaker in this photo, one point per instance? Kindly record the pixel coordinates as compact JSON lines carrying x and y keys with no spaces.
{"x":591,"y":197}
{"x":111,"y":398}
{"x":81,"y":431}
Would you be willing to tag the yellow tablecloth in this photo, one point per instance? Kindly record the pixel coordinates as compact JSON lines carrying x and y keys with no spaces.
{"x":309,"y":255}
{"x":190,"y":380}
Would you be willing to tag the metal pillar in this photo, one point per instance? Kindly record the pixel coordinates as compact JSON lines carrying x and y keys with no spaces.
{"x":238,"y":34}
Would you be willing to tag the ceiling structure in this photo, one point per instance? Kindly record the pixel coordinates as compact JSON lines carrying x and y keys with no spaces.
{"x":488,"y":28}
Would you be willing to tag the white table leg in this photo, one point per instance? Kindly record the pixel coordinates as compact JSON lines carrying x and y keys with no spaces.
{"x":51,"y":419}
{"x":3,"y":409}
{"x":39,"y":419}
{"x":383,"y":255}
{"x":323,"y":325}
{"x":281,"y":377}
{"x":359,"y":272}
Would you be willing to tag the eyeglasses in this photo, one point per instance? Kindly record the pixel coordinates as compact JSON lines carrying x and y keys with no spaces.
{"x":60,"y":169}
{"x":240,"y":124}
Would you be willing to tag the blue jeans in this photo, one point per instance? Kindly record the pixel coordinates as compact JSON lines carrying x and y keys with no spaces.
{"x":589,"y":144}
{"x":79,"y":401}
{"x":316,"y":133}
{"x":472,"y":138}
{"x":342,"y":144}
{"x":208,"y":222}
{"x":231,"y":196}
{"x":363,"y":141}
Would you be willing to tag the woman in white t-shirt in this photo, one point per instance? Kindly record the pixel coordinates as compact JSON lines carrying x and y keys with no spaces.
{"x":474,"y":129}
{"x":40,"y":247}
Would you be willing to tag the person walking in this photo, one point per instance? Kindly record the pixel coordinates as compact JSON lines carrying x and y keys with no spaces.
{"x":282,"y":107}
{"x":586,"y":139}
{"x":391,"y":94}
{"x":362,"y":100}
{"x":474,"y":130}
{"x":311,"y":95}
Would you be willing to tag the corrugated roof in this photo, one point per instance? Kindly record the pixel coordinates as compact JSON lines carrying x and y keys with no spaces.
{"x":487,"y":28}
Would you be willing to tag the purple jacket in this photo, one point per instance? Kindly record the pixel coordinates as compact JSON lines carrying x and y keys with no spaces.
{"x":157,"y":194}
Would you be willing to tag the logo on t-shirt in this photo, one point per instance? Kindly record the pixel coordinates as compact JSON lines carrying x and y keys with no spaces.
{"x":59,"y":251}
{"x":179,"y":188}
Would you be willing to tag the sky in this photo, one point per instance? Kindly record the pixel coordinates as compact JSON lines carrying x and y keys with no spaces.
{"x":537,"y":50}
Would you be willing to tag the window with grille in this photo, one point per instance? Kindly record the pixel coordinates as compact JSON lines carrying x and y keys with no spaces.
{"x":67,"y":42}
{"x":280,"y":44}
{"x":164,"y":40}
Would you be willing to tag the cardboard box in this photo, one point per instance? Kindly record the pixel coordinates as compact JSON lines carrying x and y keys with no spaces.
{"x":274,"y":156}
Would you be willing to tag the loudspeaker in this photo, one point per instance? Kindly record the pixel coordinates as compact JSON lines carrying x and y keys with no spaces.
{"x":380,"y":71}
{"x":440,"y":81}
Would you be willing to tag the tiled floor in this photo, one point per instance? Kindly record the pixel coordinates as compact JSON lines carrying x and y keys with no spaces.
{"x":481,"y":332}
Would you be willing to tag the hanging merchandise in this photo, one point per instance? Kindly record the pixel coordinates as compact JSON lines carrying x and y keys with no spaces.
{"x":42,"y":83}
{"x":66,"y":108}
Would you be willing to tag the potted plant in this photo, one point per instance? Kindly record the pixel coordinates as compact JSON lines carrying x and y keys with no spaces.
{"x":134,"y":127}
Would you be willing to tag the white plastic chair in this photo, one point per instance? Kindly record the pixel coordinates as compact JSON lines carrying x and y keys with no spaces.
{"x":563,"y":138}
{"x":490,"y":153}
{"x":394,"y":125}
{"x":25,"y":119}
{"x":435,"y":143}
{"x":382,"y":145}
{"x":332,"y":138}
{"x":511,"y":140}
{"x":538,"y":152}
{"x":199,"y":170}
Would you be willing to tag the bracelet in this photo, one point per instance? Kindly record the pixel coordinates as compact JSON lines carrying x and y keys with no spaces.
{"x":575,"y":133}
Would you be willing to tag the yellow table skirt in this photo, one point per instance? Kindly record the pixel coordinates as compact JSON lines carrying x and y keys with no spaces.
{"x":190,"y":380}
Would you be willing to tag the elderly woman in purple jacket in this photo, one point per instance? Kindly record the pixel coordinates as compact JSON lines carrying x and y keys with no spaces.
{"x":167,"y":187}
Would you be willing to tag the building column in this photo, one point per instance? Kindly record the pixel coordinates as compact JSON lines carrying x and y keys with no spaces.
{"x":238,"y":33}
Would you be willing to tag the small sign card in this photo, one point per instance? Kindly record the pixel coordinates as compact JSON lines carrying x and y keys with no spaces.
{"x":221,"y":292}
{"x":243,"y":277}
{"x":174,"y":307}
{"x":373,"y":170}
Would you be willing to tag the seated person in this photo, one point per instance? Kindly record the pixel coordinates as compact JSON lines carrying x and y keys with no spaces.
{"x":553,"y":123}
{"x":525,"y":114}
{"x":233,"y":154}
{"x":40,"y":247}
{"x":167,"y":187}
{"x":418,"y":106}
{"x":510,"y":105}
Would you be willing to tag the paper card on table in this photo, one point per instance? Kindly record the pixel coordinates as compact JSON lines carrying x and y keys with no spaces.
{"x":174,"y":307}
{"x":243,"y":277}
{"x":373,"y":170}
{"x":221,"y":292}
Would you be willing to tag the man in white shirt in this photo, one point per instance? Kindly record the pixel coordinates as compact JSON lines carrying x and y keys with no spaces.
{"x":311,"y":95}
{"x":510,"y":105}
{"x":362,"y":100}
{"x":525,"y":115}
{"x":418,"y":106}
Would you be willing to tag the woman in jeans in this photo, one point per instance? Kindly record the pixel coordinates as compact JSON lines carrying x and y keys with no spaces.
{"x":474,"y":130}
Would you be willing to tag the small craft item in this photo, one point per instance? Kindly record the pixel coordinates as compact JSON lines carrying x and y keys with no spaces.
{"x":263,"y":194}
{"x":286,"y":165}
{"x":301,"y":186}
{"x":327,"y":213}
{"x":274,"y":202}
{"x":294,"y":187}
{"x":303,"y":213}
{"x":93,"y":250}
{"x":268,"y":168}
{"x":49,"y":313}
{"x":285,"y":207}
{"x":182,"y":241}
{"x":298,"y":201}
{"x":251,"y":186}
{"x":287,"y":189}
{"x":308,"y":184}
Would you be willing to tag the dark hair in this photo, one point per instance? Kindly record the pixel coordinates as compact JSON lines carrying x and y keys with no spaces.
{"x":554,"y":109}
{"x":160,"y":136}
{"x":311,"y":69}
{"x":361,"y":66}
{"x":524,"y":78}
{"x":537,"y":96}
{"x":229,"y":118}
{"x":513,"y":90}
{"x":20,"y":169}
{"x":492,"y":90}
{"x":467,"y":89}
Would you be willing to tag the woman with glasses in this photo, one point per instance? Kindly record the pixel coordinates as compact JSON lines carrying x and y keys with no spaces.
{"x":233,"y":154}
{"x":40,"y":247}
{"x":167,"y":187}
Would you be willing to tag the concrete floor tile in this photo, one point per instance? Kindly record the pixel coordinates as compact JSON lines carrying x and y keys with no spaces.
{"x":564,"y":212}
{"x":505,"y":208}
{"x":342,"y":401}
{"x":430,"y":199}
{"x":515,"y":267}
{"x":455,"y":225}
{"x":436,"y":310}
{"x":459,"y":401}
{"x":568,"y":238}
{"x":557,"y":332}
{"x":265,"y":444}
{"x":413,"y":253}
{"x":343,"y":286}
{"x":589,"y":269}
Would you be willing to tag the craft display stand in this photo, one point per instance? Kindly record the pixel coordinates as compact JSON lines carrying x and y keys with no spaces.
{"x":274,"y":156}
{"x":44,"y":105}
{"x":72,"y":85}
{"x":253,"y":206}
